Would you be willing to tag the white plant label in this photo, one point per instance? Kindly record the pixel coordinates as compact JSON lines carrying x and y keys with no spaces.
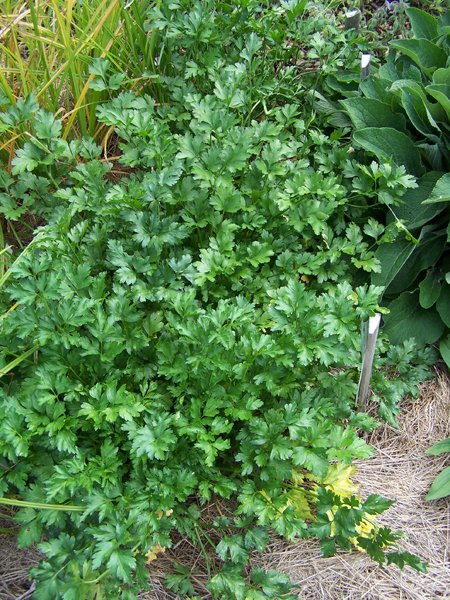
{"x":369,"y":344}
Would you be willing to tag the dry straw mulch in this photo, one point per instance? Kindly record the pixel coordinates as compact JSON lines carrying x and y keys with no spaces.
{"x":399,"y":469}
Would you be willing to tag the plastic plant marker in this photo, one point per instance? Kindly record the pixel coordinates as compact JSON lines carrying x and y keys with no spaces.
{"x":352,"y":19}
{"x":365,"y":65}
{"x":369,"y":343}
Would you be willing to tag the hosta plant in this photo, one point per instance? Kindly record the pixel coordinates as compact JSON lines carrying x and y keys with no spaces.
{"x":197,"y":337}
{"x":441,"y":484}
{"x":401,"y":112}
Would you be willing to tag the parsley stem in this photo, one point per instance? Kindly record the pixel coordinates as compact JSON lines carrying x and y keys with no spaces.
{"x":99,"y":578}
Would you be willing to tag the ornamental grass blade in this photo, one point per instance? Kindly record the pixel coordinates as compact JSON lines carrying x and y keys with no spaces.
{"x":40,"y":505}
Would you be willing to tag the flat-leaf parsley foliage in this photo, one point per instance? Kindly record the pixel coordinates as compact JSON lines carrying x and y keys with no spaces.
{"x":198,"y":337}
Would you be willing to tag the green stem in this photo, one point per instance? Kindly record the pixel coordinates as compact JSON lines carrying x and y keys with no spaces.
{"x":40,"y":505}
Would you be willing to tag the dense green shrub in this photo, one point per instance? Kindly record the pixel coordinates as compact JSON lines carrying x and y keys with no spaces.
{"x":197,"y":336}
{"x":197,"y":331}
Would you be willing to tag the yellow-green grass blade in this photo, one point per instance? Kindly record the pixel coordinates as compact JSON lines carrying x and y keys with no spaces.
{"x":41,"y":505}
{"x":14,"y":363}
{"x":82,"y":96}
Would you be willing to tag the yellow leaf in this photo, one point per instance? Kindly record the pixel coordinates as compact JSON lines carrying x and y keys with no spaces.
{"x":298,"y":500}
{"x":152,"y":554}
{"x":160,"y":513}
{"x":338,"y":480}
{"x":364,"y":529}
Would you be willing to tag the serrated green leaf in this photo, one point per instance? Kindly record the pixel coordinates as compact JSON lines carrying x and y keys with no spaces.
{"x":328,"y":547}
{"x":311,"y":460}
{"x":99,"y":66}
{"x":232,"y":547}
{"x":403,"y":558}
{"x":375,"y":504}
{"x":46,"y":126}
{"x":121,"y":563}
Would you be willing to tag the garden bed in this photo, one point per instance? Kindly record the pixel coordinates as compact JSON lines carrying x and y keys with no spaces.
{"x":183,"y":293}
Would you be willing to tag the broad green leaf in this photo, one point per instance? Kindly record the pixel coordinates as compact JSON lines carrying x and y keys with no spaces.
{"x":432,"y":155}
{"x":366,"y":112}
{"x":443,"y":304}
{"x":441,"y":191}
{"x":426,"y":253}
{"x":392,"y":257}
{"x":441,"y":93}
{"x":415,"y":104}
{"x":430,"y":289}
{"x":345,"y":83}
{"x":440,"y":487}
{"x":412,"y":211}
{"x":377,"y":88}
{"x":444,"y":348}
{"x":407,"y":319}
{"x":425,"y":54}
{"x":423,"y":25}
{"x":389,"y":70}
{"x":389,"y":142}
{"x":439,"y":447}
{"x":444,"y":29}
{"x":441,"y":76}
